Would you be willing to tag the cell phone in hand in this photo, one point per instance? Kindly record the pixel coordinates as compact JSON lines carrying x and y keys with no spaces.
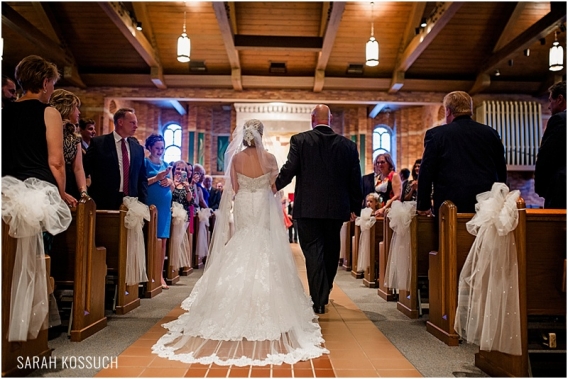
{"x":184,"y":176}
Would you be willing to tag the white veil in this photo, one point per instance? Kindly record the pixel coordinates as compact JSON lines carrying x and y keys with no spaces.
{"x":250,"y":134}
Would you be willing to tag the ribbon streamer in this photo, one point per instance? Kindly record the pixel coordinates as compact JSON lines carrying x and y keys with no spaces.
{"x":180,"y":253}
{"x":365,"y":223}
{"x":136,"y":251}
{"x":398,"y":265}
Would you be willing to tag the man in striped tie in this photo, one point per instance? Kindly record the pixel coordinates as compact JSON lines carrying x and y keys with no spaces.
{"x":115,"y":162}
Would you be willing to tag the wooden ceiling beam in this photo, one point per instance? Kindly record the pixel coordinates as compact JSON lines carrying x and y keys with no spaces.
{"x":511,"y":23}
{"x":222,"y":14}
{"x":157,"y":71}
{"x":253,"y":42}
{"x":414,"y":20}
{"x":178,"y":107}
{"x":376,"y":110}
{"x":137,"y":39}
{"x":420,"y":42}
{"x":51,"y":49}
{"x":540,"y":29}
{"x":332,"y":25}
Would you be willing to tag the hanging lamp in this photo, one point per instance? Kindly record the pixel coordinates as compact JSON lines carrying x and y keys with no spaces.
{"x":556,"y":57}
{"x":184,"y":45}
{"x":372,"y":47}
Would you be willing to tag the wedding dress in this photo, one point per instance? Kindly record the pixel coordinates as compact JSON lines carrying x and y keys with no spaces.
{"x":249,"y":307}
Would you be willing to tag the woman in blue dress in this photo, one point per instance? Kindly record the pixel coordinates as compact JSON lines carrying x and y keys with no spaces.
{"x":160,"y":186}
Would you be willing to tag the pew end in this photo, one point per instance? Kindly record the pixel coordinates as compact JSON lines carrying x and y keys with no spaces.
{"x":346,"y":245}
{"x":111,"y":233}
{"x":355,"y":254}
{"x":371,"y":275}
{"x":423,"y":239}
{"x":12,"y":351}
{"x":153,"y":286}
{"x":82,"y":268}
{"x":445,"y":265}
{"x":386,"y":293}
{"x":541,"y":268}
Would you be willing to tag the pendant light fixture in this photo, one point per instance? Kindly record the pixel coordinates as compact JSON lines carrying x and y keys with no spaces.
{"x":556,"y":57}
{"x":184,"y":45}
{"x":372,"y":48}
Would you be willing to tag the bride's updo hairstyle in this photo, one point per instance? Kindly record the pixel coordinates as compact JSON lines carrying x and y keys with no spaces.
{"x":249,"y":128}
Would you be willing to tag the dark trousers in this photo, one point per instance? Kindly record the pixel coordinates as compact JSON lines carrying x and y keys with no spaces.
{"x":293,"y":232}
{"x":320,"y":243}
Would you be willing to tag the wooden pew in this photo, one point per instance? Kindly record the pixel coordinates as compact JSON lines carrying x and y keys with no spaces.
{"x":384,"y":292}
{"x":444,"y":269}
{"x":14,"y":352}
{"x":153,"y":244}
{"x":424,"y":238}
{"x":371,"y":273}
{"x":541,"y":250}
{"x":112,"y":234}
{"x":82,"y":266}
{"x":355,"y":254}
{"x":347,"y":263}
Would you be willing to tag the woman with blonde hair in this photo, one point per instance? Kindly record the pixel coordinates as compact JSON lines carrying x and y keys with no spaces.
{"x":67,"y":103}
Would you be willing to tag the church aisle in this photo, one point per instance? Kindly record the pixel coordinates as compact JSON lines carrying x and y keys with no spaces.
{"x":357,"y":349}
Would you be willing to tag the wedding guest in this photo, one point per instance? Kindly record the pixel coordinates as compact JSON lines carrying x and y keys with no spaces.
{"x":389,"y":187}
{"x":411,"y":190}
{"x":36,"y":150}
{"x":67,"y":103}
{"x":88,"y":132}
{"x":182,"y":192}
{"x":404,"y":175}
{"x":461,"y":159}
{"x":550,"y":169}
{"x":115,"y":162}
{"x":160,"y":187}
{"x":198,"y":169}
{"x":215,"y":196}
{"x":8,"y":90}
{"x":370,"y":181}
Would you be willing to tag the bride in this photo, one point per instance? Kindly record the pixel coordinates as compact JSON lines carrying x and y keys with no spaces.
{"x":249,"y":307}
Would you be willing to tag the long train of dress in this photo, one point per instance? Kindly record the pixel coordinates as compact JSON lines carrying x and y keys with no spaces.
{"x":249,"y":307}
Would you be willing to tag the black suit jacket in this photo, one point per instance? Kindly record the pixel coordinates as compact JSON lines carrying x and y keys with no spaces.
{"x":101,"y":162}
{"x":214,"y":198}
{"x":368,"y":186}
{"x":461,"y":159}
{"x":550,"y":169}
{"x":328,"y":175}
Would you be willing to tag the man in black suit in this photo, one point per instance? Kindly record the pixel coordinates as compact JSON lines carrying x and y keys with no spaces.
{"x":550,"y":169}
{"x":370,"y":181}
{"x":110,"y":156}
{"x":461,"y":158}
{"x":328,"y":193}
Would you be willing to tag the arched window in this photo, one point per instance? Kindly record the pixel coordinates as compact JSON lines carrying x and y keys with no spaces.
{"x":172,"y":139}
{"x":383,"y":141}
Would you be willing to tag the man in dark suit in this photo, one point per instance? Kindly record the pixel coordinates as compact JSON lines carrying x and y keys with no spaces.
{"x":461,"y":158}
{"x":550,"y":169}
{"x":328,"y":193}
{"x":215,"y":196}
{"x":370,"y":181}
{"x":110,"y":157}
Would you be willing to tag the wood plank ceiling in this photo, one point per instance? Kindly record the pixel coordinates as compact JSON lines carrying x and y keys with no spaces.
{"x":96,"y":44}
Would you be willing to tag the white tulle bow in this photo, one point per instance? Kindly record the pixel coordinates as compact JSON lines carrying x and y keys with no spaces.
{"x":136,"y":251}
{"x":204,"y":214}
{"x":180,"y":254}
{"x":30,"y":207}
{"x":399,"y":261}
{"x":366,"y":220}
{"x":488,"y":312}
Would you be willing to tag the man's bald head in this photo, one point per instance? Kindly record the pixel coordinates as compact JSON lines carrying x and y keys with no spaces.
{"x":321,"y":115}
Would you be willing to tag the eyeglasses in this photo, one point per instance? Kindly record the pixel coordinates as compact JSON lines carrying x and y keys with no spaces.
{"x":381,"y":162}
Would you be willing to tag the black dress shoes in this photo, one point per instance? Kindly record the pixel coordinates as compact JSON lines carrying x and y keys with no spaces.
{"x":319,"y":310}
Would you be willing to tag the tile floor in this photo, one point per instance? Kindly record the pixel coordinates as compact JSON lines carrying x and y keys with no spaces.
{"x":357,"y":349}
